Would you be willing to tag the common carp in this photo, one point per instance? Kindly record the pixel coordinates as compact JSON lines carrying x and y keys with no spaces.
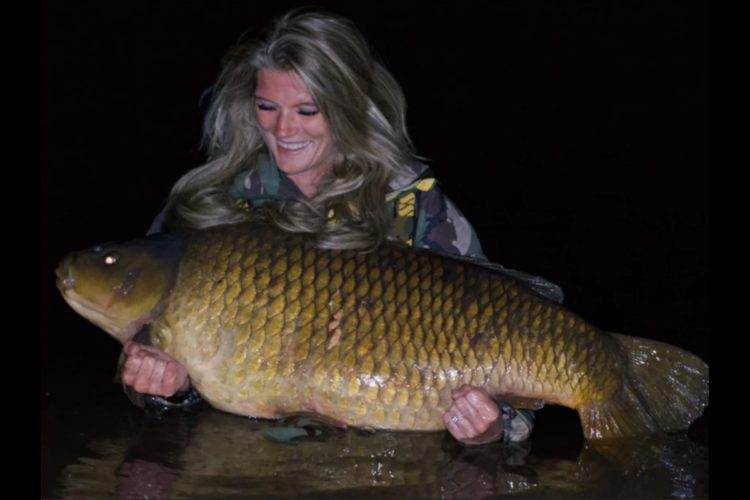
{"x":267,"y":325}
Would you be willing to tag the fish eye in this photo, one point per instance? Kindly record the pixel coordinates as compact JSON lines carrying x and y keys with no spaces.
{"x":111,"y":258}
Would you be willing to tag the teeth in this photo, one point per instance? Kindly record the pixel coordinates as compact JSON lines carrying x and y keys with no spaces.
{"x":293,"y":145}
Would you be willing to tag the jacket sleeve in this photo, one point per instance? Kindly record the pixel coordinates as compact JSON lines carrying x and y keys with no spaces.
{"x":442,"y":227}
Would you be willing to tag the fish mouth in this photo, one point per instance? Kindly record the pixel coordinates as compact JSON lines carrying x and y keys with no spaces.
{"x":93,"y":312}
{"x":66,"y":284}
{"x":65,"y":281}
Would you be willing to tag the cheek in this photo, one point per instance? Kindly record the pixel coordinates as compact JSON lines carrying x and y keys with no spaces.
{"x":266,"y":121}
{"x":318,"y":128}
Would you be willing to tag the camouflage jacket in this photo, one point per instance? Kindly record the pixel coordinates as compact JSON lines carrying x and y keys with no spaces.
{"x":423,"y":217}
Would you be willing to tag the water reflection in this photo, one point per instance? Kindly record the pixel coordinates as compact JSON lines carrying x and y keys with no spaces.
{"x":208,"y":453}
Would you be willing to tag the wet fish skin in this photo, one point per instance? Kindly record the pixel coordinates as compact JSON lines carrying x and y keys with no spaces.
{"x":269,"y":325}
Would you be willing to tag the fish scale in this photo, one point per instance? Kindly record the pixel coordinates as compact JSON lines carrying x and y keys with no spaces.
{"x":268,"y":324}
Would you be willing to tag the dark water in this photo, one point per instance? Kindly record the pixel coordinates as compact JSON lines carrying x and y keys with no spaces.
{"x":107,"y":448}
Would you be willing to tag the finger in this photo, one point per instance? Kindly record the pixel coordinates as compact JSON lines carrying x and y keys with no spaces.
{"x":461,"y":391}
{"x":484,"y":407}
{"x":157,"y":378}
{"x":471,"y":422}
{"x":170,"y":377}
{"x":449,"y":416}
{"x":180,"y":380}
{"x":493,"y":434}
{"x":465,"y":429}
{"x":155,"y":351}
{"x":131,"y":348}
{"x":131,"y":368}
{"x":143,"y":378}
{"x":486,"y":421}
{"x":463,"y":426}
{"x":451,"y":419}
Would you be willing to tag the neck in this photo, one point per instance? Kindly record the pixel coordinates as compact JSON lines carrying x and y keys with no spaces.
{"x":307,"y":182}
{"x":309,"y":190}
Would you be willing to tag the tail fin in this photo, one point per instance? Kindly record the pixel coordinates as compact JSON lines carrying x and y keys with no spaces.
{"x":665,"y":389}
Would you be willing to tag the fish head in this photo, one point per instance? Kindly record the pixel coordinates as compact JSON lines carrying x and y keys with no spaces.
{"x":120,"y":286}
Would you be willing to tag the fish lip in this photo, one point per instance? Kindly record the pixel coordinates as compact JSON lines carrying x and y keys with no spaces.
{"x":65,"y":279}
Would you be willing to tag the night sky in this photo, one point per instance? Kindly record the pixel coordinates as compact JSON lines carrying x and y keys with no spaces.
{"x":572,"y":134}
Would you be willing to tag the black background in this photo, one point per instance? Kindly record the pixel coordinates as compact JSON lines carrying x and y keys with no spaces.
{"x":572,"y":134}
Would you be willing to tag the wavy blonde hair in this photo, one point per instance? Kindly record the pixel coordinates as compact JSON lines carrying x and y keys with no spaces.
{"x":365,"y":110}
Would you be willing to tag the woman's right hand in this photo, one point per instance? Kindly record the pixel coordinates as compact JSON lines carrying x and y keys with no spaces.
{"x":474,"y":417}
{"x":151,"y":371}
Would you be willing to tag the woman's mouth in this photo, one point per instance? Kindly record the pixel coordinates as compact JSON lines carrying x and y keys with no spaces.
{"x":292,"y":147}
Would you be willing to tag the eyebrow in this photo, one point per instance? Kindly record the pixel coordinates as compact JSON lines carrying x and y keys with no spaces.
{"x":304,"y":103}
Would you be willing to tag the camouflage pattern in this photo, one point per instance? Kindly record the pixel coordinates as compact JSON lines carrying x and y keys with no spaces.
{"x":423,"y":217}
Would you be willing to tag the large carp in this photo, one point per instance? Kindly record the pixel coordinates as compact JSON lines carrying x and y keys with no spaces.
{"x":267,"y":324}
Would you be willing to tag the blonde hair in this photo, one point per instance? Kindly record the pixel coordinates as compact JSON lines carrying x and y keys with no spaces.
{"x":365,"y":110}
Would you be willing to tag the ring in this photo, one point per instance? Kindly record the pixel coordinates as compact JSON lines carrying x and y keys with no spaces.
{"x":456,"y":418}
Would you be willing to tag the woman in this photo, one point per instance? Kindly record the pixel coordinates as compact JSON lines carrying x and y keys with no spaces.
{"x":307,"y":129}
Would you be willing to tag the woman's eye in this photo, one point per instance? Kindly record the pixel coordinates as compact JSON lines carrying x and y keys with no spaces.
{"x":308,"y":112}
{"x":264,"y":107}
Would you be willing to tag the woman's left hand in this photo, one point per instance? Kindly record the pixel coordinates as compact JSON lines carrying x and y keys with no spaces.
{"x":474,"y":417}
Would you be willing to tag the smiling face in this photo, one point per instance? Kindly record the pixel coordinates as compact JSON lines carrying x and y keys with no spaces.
{"x":294,"y":128}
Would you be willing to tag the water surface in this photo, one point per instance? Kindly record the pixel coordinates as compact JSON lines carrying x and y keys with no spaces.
{"x":98,"y":445}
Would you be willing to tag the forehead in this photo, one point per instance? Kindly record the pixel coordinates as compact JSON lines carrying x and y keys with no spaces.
{"x":282,"y":85}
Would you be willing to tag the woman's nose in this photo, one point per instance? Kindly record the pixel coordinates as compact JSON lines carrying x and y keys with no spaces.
{"x":286,"y":124}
